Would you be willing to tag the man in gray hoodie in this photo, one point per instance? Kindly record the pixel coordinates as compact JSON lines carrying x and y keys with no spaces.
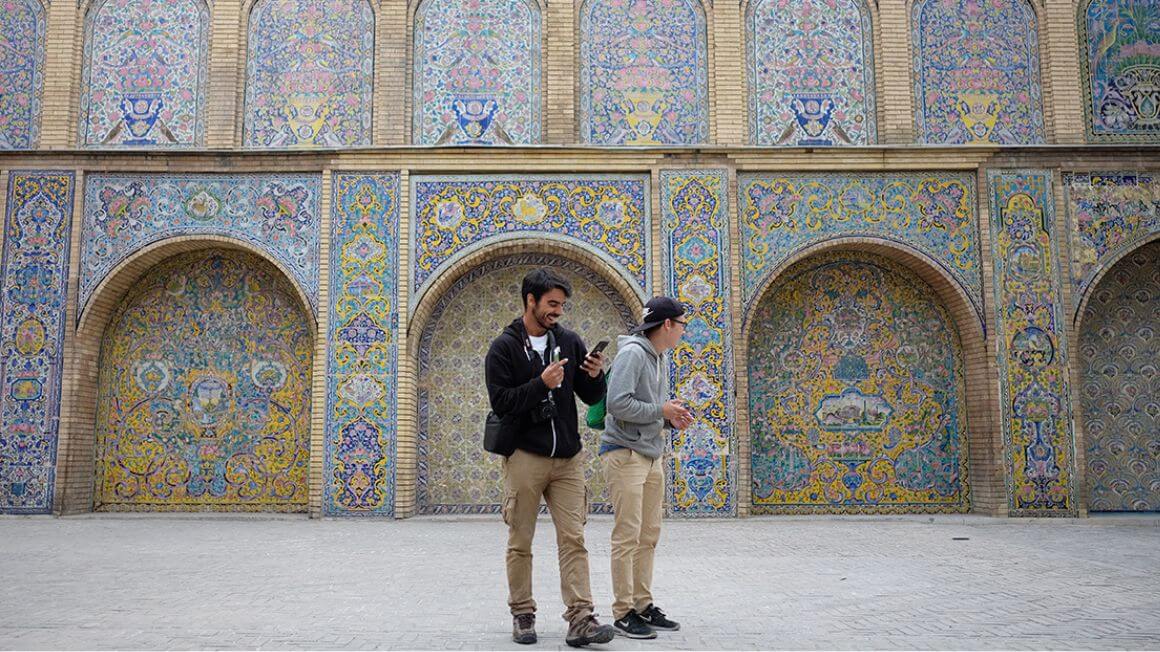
{"x":631,"y":449}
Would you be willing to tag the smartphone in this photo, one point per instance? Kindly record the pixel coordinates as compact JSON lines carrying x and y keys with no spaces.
{"x":599,"y":347}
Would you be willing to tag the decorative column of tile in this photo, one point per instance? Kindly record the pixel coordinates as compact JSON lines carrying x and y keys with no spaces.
{"x":702,"y":474}
{"x":33,"y":287}
{"x":362,"y":347}
{"x":1032,"y":351}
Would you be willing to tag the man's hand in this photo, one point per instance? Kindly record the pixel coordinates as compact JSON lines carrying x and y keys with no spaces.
{"x":553,"y":375}
{"x":677,"y":414}
{"x":593,"y":364}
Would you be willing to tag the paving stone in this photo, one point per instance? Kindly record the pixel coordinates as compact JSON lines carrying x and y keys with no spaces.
{"x":110,"y":582}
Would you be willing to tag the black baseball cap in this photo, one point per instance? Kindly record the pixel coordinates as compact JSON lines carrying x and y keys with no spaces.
{"x":656,"y":311}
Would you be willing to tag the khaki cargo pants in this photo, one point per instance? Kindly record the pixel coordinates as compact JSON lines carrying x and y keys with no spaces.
{"x":560,"y":481}
{"x":637,"y":488}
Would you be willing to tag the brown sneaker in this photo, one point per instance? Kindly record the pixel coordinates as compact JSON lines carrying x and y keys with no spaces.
{"x":524,"y":629}
{"x":587,"y":630}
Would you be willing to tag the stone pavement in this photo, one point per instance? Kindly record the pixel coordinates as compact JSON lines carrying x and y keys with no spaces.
{"x":807,"y":583}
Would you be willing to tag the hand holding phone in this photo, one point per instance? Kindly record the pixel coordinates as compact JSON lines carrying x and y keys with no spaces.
{"x":594,"y":362}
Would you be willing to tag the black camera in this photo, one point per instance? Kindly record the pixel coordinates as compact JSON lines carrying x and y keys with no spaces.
{"x":544,"y":411}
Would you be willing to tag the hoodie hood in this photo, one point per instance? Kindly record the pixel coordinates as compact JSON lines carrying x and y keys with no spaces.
{"x":624,"y":340}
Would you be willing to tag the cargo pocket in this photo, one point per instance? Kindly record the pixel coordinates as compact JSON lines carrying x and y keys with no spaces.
{"x":507,"y":509}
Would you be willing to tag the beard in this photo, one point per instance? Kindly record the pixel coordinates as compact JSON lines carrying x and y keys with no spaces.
{"x":546,"y":318}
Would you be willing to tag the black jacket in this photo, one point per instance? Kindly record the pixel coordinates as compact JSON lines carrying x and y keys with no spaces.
{"x":514,"y":389}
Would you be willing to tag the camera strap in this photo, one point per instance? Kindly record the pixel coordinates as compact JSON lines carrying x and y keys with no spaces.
{"x":539,"y":363}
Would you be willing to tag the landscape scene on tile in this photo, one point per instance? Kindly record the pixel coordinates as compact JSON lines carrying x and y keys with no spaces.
{"x":856,"y":392}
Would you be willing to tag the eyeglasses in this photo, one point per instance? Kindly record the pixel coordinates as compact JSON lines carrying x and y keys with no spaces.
{"x":681,"y":322}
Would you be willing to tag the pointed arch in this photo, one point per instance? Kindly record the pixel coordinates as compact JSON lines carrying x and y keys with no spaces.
{"x":930,"y":434}
{"x":453,"y":474}
{"x":78,"y":434}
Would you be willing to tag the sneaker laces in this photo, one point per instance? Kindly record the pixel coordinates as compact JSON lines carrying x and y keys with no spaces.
{"x":526,"y":621}
{"x":654,"y":611}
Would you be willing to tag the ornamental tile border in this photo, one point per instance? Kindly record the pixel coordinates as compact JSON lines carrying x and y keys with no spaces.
{"x":453,"y":216}
{"x":702,"y":469}
{"x":34,"y":274}
{"x":275,"y":213}
{"x":362,"y":347}
{"x":1032,"y":346}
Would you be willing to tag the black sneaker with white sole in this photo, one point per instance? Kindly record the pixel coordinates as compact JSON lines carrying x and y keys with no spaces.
{"x":633,"y":626}
{"x":655,"y":618}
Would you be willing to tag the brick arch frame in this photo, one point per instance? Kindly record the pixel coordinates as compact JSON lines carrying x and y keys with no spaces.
{"x":984,"y":441}
{"x":76,"y":465}
{"x":1102,"y":270}
{"x":1080,"y":302}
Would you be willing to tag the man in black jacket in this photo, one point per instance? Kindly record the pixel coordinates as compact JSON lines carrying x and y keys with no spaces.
{"x":532,"y":381}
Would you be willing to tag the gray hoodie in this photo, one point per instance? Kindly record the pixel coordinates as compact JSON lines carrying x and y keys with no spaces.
{"x":637,"y":387}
